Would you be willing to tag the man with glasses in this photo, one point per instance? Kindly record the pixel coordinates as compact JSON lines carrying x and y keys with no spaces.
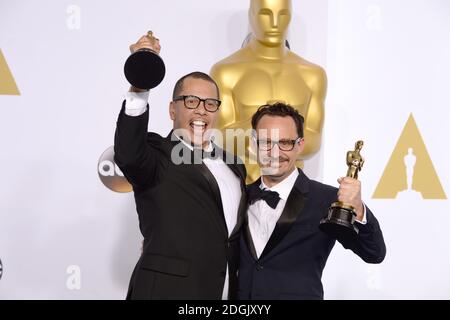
{"x":283,"y":252}
{"x":190,"y":212}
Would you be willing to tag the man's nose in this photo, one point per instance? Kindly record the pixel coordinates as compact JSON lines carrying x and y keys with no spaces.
{"x":201,"y":108}
{"x":275,"y":151}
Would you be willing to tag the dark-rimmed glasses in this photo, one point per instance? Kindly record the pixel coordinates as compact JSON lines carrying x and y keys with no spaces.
{"x":283,"y":144}
{"x":192,"y":102}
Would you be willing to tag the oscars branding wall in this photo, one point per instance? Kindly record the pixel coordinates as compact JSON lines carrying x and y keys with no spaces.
{"x":68,"y":226}
{"x":7,"y":83}
{"x":388,"y":69}
{"x":410,"y":171}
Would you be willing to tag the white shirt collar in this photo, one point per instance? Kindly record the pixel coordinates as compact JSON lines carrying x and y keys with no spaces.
{"x":284,"y":187}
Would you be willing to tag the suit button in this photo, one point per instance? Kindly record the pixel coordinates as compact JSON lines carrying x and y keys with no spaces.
{"x":259,"y":267}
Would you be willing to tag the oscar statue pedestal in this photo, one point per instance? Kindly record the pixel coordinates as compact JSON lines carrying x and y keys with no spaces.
{"x":144,"y":69}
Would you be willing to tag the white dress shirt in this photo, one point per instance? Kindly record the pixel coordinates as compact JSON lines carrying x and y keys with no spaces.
{"x":262,"y":219}
{"x":229,"y":184}
{"x":136,"y":103}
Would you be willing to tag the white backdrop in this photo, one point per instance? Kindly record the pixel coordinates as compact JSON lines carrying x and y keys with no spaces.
{"x":64,"y":235}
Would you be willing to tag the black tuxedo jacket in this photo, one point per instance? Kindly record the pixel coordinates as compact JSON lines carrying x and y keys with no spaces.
{"x":186,"y":243}
{"x":291,"y":265}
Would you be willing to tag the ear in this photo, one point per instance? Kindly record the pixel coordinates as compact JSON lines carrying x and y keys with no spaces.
{"x":172,"y":111}
{"x":301,"y":146}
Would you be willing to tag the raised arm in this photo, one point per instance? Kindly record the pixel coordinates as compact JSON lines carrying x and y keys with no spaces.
{"x":369,"y":244}
{"x":134,"y":153}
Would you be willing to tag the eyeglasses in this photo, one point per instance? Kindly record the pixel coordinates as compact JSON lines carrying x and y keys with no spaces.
{"x":192,"y":102}
{"x":284,"y":144}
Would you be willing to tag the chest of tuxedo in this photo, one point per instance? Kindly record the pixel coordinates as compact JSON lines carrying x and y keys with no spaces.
{"x":297,"y":229}
{"x":180,"y":203}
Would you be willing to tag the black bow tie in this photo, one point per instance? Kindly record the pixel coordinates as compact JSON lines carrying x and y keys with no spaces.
{"x":255,"y":193}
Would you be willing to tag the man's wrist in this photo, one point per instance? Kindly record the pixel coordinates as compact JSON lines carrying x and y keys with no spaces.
{"x":134,"y":89}
{"x":361,"y":215}
{"x":136,"y":103}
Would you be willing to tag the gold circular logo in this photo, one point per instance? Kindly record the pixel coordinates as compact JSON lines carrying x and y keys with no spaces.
{"x":110,"y":174}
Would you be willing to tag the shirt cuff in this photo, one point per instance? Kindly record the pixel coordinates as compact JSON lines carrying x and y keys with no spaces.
{"x":136,"y":103}
{"x":364,"y":219}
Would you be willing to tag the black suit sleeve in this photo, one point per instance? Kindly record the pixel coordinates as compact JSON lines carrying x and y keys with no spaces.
{"x":133,"y":153}
{"x":369,"y":244}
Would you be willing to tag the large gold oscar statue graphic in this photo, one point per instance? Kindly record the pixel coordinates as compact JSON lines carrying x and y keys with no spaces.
{"x":265,"y":71}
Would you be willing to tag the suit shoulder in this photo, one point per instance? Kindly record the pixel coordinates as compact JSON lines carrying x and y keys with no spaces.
{"x":156,"y":141}
{"x":257,"y":182}
{"x":329,"y":191}
{"x":154,"y":137}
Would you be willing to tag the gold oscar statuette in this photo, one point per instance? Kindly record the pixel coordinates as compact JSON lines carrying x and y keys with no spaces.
{"x":340,"y":221}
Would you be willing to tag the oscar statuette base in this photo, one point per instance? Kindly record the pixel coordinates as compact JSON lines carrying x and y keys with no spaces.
{"x":340,"y":222}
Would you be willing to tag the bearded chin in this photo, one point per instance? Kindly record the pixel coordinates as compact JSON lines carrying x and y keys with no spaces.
{"x":270,"y":166}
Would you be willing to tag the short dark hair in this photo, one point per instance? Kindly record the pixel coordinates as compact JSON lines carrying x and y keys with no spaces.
{"x":196,"y":75}
{"x":279,"y":109}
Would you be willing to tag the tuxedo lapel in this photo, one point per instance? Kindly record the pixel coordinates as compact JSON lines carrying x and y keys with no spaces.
{"x":240,"y":173}
{"x":216,"y":193}
{"x":207,"y":175}
{"x":249,"y":240}
{"x":240,"y":214}
{"x":293,"y":208}
{"x":247,"y":233}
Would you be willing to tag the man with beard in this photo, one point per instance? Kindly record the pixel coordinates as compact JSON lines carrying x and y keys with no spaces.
{"x":283,"y":252}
